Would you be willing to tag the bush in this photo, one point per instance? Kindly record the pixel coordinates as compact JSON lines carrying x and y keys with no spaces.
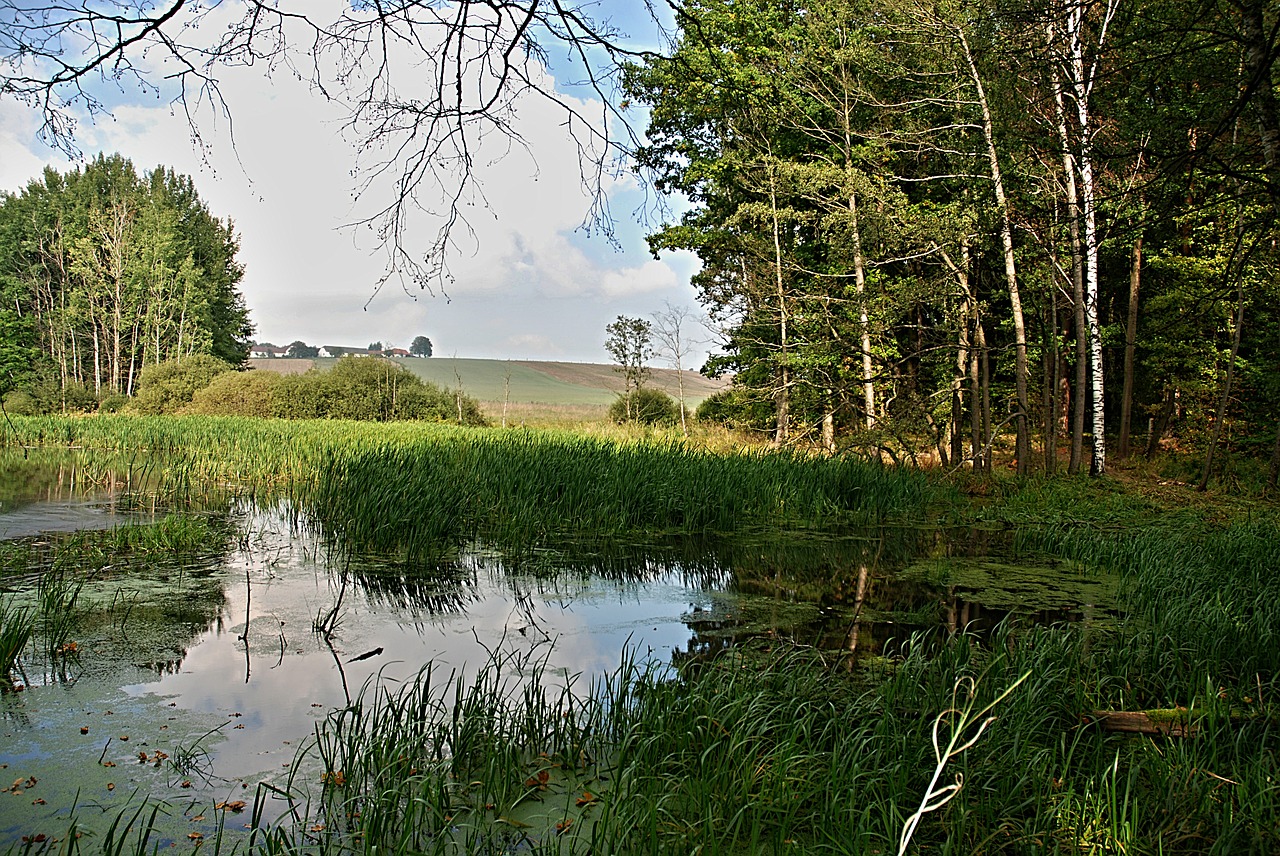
{"x":302,"y":396}
{"x":247,"y":393}
{"x":113,"y":402}
{"x":370,"y":389}
{"x":19,"y":402}
{"x":646,"y":406}
{"x":737,"y":408}
{"x":169,"y":386}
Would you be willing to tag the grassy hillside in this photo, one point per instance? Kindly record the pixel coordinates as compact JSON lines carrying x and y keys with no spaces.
{"x":529,"y":382}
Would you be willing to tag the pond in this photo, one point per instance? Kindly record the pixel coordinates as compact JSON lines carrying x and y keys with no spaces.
{"x":195,"y":677}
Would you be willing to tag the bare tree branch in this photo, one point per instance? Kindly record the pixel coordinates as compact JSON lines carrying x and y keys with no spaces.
{"x":424,"y":84}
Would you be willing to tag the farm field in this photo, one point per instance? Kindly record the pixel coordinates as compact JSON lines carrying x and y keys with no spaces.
{"x":531,"y":382}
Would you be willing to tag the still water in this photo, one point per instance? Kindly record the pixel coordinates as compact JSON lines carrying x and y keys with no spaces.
{"x":194,"y":680}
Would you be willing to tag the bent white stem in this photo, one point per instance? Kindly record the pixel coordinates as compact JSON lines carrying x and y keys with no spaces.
{"x":936,"y":797}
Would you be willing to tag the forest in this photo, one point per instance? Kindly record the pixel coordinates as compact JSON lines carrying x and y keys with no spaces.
{"x":104,"y":272}
{"x":966,"y":221}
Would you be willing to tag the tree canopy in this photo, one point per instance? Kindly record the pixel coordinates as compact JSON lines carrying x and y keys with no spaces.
{"x":107,"y":272}
{"x":910,"y":217}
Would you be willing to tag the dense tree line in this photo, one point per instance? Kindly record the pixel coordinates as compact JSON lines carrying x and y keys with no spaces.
{"x":105,"y":272}
{"x":952,"y":220}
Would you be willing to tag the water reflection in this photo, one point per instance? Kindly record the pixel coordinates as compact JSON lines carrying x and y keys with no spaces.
{"x":234,"y":655}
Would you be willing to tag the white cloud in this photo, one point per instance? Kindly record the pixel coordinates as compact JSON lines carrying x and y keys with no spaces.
{"x":529,"y":343}
{"x":521,"y":278}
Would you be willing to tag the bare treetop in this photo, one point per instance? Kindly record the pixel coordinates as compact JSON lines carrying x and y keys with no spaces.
{"x":422,"y":83}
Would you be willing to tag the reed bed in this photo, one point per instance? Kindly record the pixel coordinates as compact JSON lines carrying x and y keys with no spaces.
{"x":767,"y":749}
{"x":422,"y":489}
{"x":520,"y":487}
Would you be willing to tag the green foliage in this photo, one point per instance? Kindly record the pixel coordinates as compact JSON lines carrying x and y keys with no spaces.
{"x":248,"y":393}
{"x":113,"y":403}
{"x":521,"y":488}
{"x":168,"y":387}
{"x":421,"y":347}
{"x":630,"y":343}
{"x":647,"y":406}
{"x":19,"y":402}
{"x":16,"y":626}
{"x":301,"y":350}
{"x":736,"y":407}
{"x":369,"y":389}
{"x":360,"y":388}
{"x":108,"y":271}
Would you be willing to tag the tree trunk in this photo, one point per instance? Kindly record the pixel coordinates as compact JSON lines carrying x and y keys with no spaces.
{"x":1162,"y":421}
{"x":1273,"y":471}
{"x":975,"y":404}
{"x":1021,"y":369}
{"x":1225,"y":401}
{"x":1051,"y":368}
{"x":1130,"y":347}
{"x":864,"y":321}
{"x":957,"y":385}
{"x":966,"y":362}
{"x":980,"y":337}
{"x":782,"y":396}
{"x":1082,"y":86}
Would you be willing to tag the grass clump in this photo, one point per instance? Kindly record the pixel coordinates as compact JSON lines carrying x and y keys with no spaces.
{"x":522,"y":487}
{"x":16,"y":627}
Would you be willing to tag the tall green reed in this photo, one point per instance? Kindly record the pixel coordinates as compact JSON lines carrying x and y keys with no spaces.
{"x":16,"y":626}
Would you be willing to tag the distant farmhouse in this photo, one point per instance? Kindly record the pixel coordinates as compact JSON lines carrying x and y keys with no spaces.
{"x":266,"y":351}
{"x":341,"y":351}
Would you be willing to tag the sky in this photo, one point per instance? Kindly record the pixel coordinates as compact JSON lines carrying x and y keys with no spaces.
{"x":528,"y":282}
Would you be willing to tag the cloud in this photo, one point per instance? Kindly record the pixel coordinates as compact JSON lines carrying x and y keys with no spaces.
{"x":529,"y":343}
{"x":521,"y":276}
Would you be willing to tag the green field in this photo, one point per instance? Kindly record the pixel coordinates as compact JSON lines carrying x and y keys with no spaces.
{"x":525,"y":382}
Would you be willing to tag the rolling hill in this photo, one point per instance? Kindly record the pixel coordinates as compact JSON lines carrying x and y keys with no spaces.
{"x":526,"y":381}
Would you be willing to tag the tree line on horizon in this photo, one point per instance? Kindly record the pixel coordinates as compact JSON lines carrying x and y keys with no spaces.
{"x":299,"y":350}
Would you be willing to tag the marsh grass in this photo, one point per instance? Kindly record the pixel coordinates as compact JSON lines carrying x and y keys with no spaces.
{"x":519,"y":487}
{"x":768,"y":748}
{"x":60,"y":610}
{"x":16,"y":627}
{"x":420,"y":489}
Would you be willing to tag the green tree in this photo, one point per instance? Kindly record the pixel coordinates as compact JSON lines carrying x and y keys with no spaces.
{"x":170,"y":386}
{"x":115,"y":272}
{"x":629,"y":342}
{"x":301,"y":350}
{"x":421,"y":347}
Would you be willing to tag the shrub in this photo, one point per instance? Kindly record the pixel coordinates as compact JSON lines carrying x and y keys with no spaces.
{"x":19,"y":402}
{"x":302,"y":396}
{"x":247,"y":393}
{"x":647,"y":406}
{"x":370,"y":389}
{"x":169,"y":386}
{"x":736,"y":408}
{"x":112,"y":402}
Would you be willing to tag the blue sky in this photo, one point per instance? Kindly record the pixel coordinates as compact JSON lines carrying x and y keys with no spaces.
{"x":528,"y":285}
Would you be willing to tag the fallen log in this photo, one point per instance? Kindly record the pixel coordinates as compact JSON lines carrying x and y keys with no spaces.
{"x":1175,"y":722}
